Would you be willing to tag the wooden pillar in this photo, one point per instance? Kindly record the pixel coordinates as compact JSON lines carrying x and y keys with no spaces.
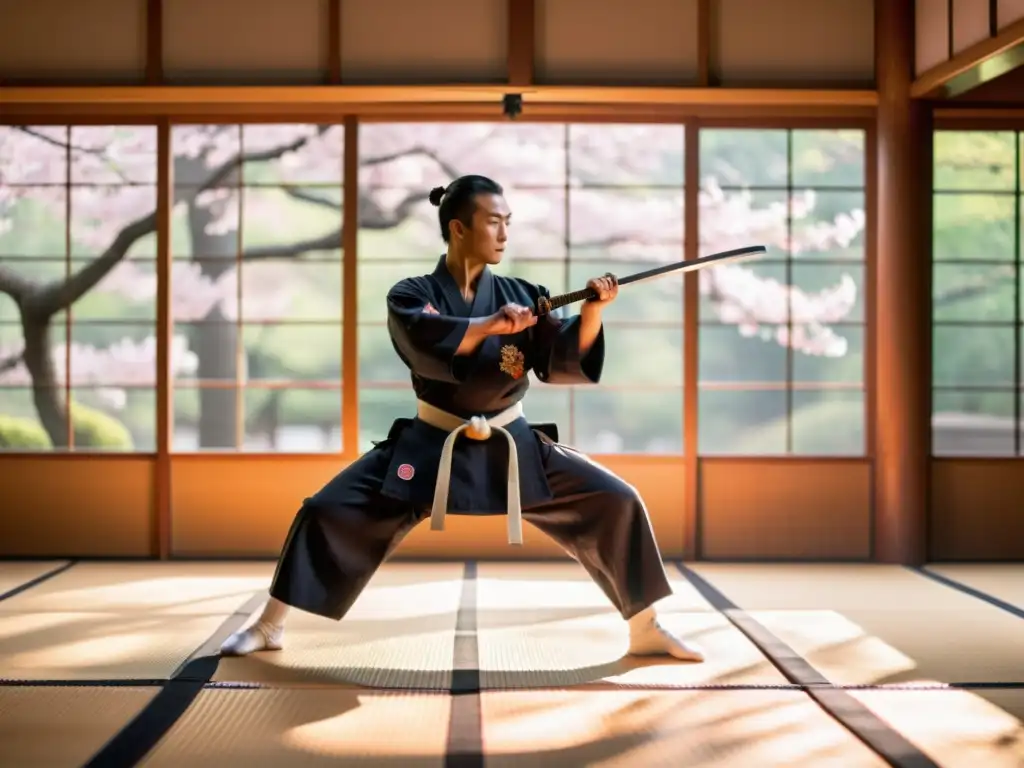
{"x":902,"y":306}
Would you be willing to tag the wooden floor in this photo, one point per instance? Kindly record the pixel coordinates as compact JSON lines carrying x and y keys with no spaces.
{"x":114,"y":664}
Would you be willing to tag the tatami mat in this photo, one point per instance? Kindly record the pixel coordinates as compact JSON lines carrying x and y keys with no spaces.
{"x":872,"y":624}
{"x":1003,"y":581}
{"x":307,"y":727}
{"x":14,"y":574}
{"x":542,"y":626}
{"x":120,"y":621}
{"x":549,"y":625}
{"x":399,"y":634}
{"x":957,"y":729}
{"x":98,"y":646}
{"x":169,"y":588}
{"x":56,"y":727}
{"x":697,"y":729}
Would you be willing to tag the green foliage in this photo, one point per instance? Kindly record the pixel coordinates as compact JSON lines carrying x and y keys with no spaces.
{"x":829,"y":426}
{"x":95,"y":429}
{"x":976,"y":248}
{"x":22,"y":434}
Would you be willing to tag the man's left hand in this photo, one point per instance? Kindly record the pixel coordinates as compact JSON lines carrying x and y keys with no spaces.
{"x":607,"y":289}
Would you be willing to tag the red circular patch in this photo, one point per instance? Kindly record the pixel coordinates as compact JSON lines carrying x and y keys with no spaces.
{"x":406,"y":471}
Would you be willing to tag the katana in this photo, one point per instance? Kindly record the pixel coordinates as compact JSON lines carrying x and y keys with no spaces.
{"x":546,"y":305}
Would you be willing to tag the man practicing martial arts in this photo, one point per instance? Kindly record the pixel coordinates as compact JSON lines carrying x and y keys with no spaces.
{"x":469,"y":337}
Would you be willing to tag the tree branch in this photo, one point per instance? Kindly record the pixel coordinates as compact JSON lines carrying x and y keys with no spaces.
{"x":59,"y":295}
{"x":371,"y":216}
{"x":65,"y":145}
{"x":294,"y":249}
{"x":11,"y":362}
{"x":969,"y":290}
{"x":309,"y":197}
{"x":449,"y":170}
{"x":272,"y":153}
{"x":95,"y":151}
{"x":14,"y":285}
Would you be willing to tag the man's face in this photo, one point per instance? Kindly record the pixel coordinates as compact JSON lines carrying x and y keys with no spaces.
{"x":485,"y":240}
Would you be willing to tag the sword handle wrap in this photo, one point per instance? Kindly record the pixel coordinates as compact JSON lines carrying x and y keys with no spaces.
{"x":547,"y":305}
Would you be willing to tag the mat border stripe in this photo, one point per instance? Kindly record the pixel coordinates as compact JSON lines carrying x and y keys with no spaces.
{"x":38,"y":580}
{"x":136,"y":739}
{"x":959,"y":586}
{"x":465,"y":744}
{"x":596,"y":687}
{"x":465,"y":737}
{"x":888,"y":743}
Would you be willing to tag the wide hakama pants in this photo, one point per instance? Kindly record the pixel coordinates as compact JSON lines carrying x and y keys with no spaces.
{"x":345,"y":532}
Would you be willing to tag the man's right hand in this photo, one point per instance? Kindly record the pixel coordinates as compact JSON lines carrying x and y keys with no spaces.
{"x":510,"y":319}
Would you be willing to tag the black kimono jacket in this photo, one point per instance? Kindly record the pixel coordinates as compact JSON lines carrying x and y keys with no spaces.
{"x":427,"y":320}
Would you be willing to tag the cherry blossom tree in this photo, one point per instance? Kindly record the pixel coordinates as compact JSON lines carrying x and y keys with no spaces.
{"x":115,"y":217}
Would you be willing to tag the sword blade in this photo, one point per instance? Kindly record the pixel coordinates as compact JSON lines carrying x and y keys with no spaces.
{"x":736,"y":254}
{"x":713,"y":259}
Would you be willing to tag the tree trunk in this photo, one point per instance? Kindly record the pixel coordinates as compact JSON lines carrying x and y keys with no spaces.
{"x":215,"y":338}
{"x":47,"y":392}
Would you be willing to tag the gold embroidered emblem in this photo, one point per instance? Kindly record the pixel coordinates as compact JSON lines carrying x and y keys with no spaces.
{"x":512,"y":361}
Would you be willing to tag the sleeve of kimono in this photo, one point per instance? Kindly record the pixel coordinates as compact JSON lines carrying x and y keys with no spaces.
{"x":427,"y":341}
{"x":556,"y":351}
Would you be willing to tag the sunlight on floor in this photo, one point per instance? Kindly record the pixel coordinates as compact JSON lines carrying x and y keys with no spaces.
{"x":958,"y":729}
{"x":557,"y":688}
{"x":692,"y":728}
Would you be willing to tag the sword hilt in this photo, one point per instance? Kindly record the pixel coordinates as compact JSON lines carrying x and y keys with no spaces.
{"x":546,"y":305}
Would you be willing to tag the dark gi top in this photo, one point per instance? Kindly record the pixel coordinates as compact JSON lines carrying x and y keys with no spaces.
{"x":427,"y":320}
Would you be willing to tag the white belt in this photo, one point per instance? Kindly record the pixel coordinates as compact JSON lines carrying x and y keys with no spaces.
{"x":477,"y":428}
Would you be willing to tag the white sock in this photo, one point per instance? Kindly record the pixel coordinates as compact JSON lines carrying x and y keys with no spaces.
{"x":648,"y":638}
{"x":275,"y":613}
{"x":265,"y":634}
{"x":642,"y":621}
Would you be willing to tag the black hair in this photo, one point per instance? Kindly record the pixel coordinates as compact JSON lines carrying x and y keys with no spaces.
{"x":457,"y":201}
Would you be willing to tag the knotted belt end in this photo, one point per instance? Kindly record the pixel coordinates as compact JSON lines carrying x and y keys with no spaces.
{"x":477,"y":428}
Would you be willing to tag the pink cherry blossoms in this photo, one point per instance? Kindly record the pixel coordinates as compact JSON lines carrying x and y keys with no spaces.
{"x":612,"y":206}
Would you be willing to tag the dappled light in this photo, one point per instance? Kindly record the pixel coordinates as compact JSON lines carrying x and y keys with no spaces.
{"x":625,"y":727}
{"x":556,"y":687}
{"x":959,"y":729}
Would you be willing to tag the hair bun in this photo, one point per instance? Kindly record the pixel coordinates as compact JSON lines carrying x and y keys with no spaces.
{"x":436,"y":194}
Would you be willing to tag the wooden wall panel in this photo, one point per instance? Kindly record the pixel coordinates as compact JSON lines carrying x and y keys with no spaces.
{"x":939,"y":36}
{"x":577,"y":42}
{"x":415,"y":42}
{"x":931,"y":35}
{"x":232,"y":505}
{"x":970,"y":23}
{"x":616,"y":42}
{"x":825,"y":43}
{"x":1008,"y":11}
{"x":239,"y":42}
{"x":787,"y":509}
{"x":76,"y":506}
{"x":226,"y":506}
{"x":977,"y":510}
{"x":99,"y":41}
{"x":242,"y":506}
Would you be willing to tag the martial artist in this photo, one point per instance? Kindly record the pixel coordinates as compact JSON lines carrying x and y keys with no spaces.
{"x":469,"y":338}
